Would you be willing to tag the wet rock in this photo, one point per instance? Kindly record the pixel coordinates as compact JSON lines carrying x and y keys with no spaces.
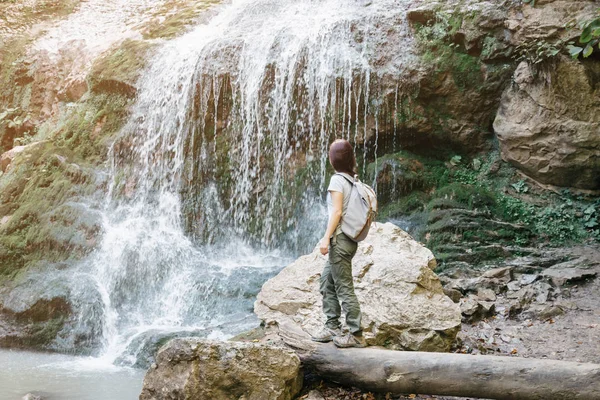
{"x":7,"y":157}
{"x":117,"y":72}
{"x":397,"y":175}
{"x":141,"y":351}
{"x":402,"y":300}
{"x":74,"y":89}
{"x":422,"y":14}
{"x":197,"y":369}
{"x":33,"y":326}
{"x":549,"y":130}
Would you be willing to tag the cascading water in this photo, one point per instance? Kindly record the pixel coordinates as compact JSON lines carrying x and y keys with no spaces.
{"x":217,"y":179}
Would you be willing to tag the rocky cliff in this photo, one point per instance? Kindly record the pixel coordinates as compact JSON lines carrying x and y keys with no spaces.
{"x":485,"y":146}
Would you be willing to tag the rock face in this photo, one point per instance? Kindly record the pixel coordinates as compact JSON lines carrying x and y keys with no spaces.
{"x":548,"y":125}
{"x":546,"y":21}
{"x":402,"y":300}
{"x":197,"y":369}
{"x":465,"y":63}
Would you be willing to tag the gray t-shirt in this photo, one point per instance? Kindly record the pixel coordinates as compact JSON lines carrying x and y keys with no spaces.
{"x":339,"y":184}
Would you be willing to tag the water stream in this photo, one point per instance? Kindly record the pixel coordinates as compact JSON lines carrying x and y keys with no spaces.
{"x":63,"y":377}
{"x":204,"y":204}
{"x":217,"y":180}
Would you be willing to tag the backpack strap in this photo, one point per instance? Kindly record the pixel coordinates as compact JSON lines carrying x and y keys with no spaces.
{"x":346,"y":177}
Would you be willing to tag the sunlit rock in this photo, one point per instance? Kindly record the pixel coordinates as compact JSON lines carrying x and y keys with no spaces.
{"x":548,"y":124}
{"x":191,"y":369}
{"x":402,"y":299}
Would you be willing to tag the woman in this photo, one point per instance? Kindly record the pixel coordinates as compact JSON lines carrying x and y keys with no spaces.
{"x":336,"y":280}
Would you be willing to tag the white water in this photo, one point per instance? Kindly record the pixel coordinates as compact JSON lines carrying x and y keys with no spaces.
{"x":177,"y":254}
{"x":98,"y":24}
{"x":191,"y":231}
{"x":62,"y":377}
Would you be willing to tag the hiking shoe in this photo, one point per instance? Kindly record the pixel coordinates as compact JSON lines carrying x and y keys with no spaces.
{"x":349,"y":340}
{"x":326,"y":335}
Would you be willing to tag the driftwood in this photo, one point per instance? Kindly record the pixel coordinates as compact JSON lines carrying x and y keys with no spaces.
{"x":490,"y":377}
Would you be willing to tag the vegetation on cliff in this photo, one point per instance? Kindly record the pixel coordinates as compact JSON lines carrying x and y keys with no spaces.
{"x":479,"y":209}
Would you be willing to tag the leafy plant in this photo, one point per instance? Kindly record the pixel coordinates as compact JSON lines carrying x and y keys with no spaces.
{"x":590,"y":37}
{"x":520,"y":187}
{"x":537,"y":51}
{"x":455,"y":160}
{"x":590,"y":217}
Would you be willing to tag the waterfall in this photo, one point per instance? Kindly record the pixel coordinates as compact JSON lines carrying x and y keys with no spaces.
{"x":217,"y":180}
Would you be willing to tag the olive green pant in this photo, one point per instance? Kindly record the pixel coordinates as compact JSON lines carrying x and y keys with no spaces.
{"x":337,"y":285}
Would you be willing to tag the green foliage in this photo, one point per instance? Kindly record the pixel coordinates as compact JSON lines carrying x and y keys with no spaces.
{"x":538,"y":51}
{"x":520,"y":187}
{"x":559,"y":223}
{"x":439,"y":50}
{"x":589,"y":38}
{"x":32,"y":193}
{"x":89,"y":125}
{"x":473,"y":196}
{"x":460,"y":184}
{"x":413,"y":202}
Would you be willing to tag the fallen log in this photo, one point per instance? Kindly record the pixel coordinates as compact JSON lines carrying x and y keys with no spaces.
{"x":490,"y":377}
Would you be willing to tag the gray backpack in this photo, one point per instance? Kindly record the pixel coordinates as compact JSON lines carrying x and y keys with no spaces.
{"x":361,"y":210}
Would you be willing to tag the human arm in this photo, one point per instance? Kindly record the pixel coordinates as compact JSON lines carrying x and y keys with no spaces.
{"x":337,"y":199}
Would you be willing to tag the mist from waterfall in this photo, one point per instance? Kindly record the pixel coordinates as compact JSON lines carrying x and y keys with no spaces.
{"x":217,"y":180}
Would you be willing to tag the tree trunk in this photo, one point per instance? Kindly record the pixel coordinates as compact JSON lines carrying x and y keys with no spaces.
{"x":449,"y":374}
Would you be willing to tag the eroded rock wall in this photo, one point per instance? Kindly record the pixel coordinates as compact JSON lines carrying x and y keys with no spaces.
{"x":548,"y":124}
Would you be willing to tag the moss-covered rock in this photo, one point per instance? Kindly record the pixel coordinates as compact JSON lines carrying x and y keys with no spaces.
{"x":480,"y":211}
{"x":118,"y":70}
{"x":38,"y":222}
{"x":35,"y":327}
{"x":174,"y":16}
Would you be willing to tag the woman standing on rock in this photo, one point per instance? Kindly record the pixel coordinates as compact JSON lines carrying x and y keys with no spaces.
{"x":336,"y":280}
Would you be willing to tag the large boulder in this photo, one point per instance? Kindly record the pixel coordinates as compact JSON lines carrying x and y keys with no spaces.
{"x":402,"y":299}
{"x":548,"y":124}
{"x":199,"y":369}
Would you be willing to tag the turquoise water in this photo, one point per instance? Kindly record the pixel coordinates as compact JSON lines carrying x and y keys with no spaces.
{"x":63,"y":377}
